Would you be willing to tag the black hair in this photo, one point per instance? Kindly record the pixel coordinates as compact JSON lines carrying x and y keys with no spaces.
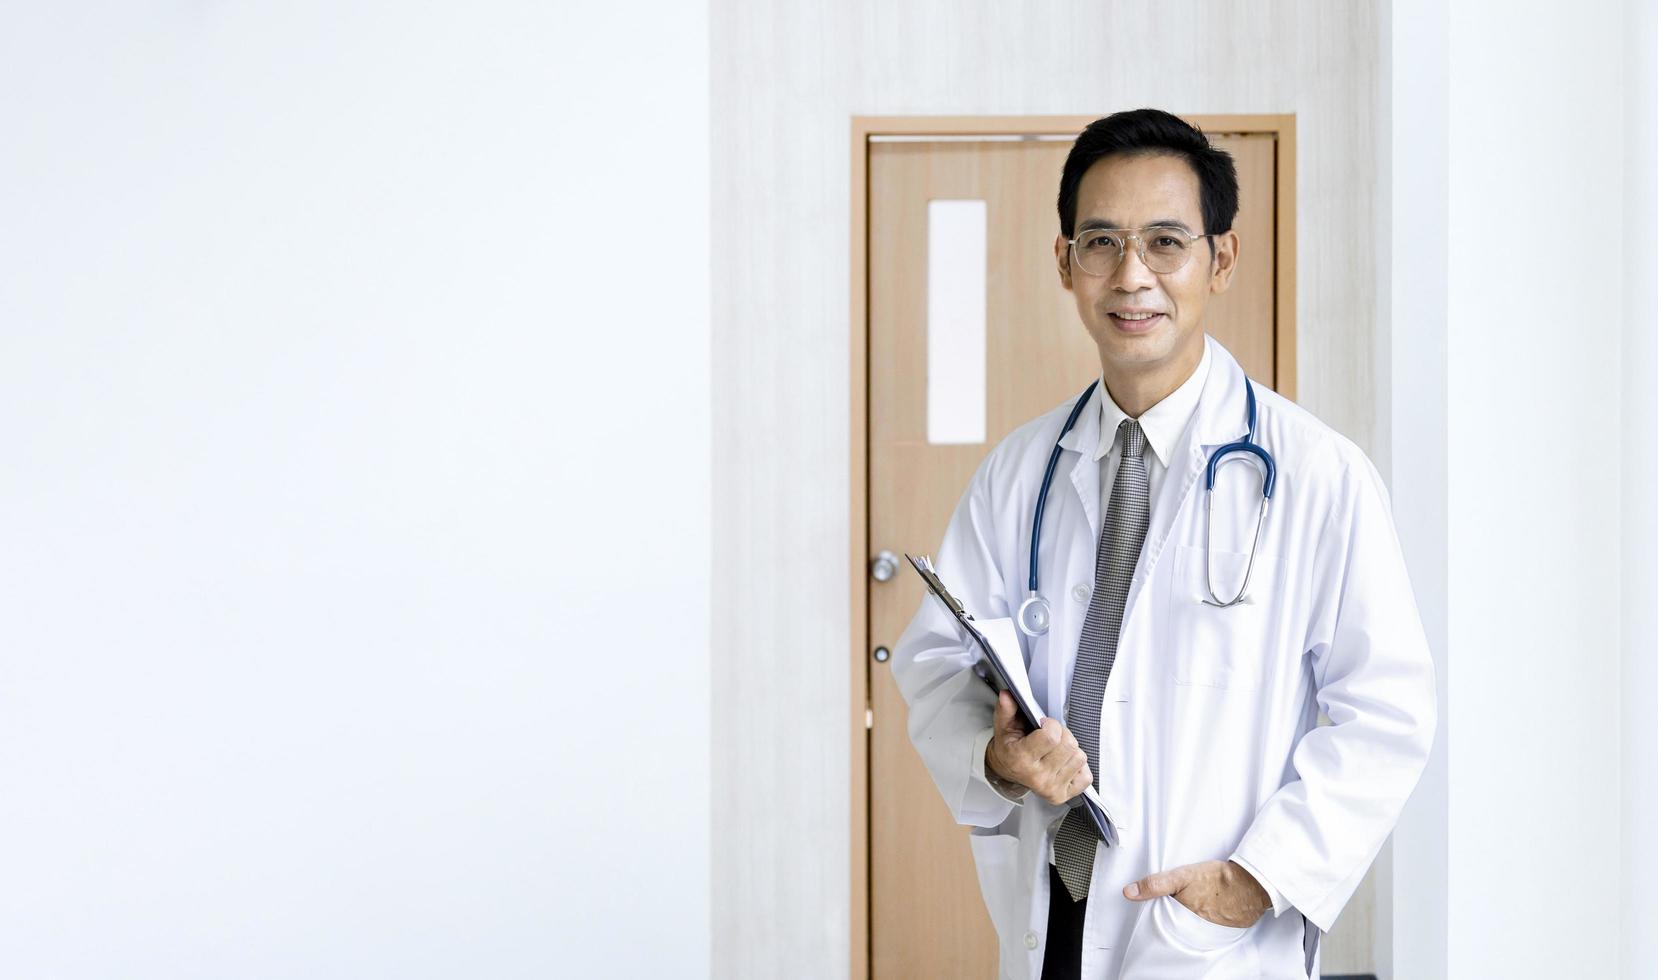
{"x":1140,"y":132}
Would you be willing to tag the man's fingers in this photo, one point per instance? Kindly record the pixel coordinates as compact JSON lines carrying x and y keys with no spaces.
{"x":1068,"y":775}
{"x":1035,"y":745}
{"x":1063,"y":777}
{"x":1041,"y":758}
{"x":1004,"y":712}
{"x":1157,"y":885}
{"x":1055,"y":738}
{"x":1006,"y":718}
{"x":1079,"y":778}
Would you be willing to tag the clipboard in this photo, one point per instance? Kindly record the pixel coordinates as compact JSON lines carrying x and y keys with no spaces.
{"x":992,"y":671}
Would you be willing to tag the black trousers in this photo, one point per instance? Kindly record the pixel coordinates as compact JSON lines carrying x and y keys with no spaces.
{"x":1063,"y":960}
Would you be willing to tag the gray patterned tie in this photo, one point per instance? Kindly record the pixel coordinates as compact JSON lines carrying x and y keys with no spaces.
{"x":1124,"y":531}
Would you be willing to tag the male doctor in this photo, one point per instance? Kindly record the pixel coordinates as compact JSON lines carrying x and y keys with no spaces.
{"x":1244,"y":826}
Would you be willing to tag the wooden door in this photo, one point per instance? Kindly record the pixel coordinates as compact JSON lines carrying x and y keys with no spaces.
{"x":926,"y":916}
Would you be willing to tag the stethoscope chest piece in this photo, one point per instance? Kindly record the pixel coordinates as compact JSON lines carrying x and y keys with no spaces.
{"x":1034,"y":616}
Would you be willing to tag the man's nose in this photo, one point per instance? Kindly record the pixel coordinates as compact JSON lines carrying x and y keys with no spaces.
{"x":1131,"y":274}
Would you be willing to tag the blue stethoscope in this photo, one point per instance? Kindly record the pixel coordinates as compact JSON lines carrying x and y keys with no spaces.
{"x":1035,"y":614}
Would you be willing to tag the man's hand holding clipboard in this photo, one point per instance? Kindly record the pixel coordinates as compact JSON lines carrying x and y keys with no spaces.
{"x":1047,"y":760}
{"x":1028,"y":748}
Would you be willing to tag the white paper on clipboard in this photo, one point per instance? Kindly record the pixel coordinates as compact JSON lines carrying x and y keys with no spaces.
{"x":1004,"y":645}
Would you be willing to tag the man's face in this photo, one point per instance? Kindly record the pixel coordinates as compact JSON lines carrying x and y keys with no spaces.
{"x":1133,"y":192}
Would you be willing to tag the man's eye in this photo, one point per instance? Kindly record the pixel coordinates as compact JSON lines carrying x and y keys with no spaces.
{"x":1167,"y":241}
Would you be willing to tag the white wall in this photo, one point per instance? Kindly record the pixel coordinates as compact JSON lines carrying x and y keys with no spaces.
{"x":1522,"y":397}
{"x":344,"y":434}
{"x":1412,"y":251}
{"x":787,"y":78}
{"x":1533,"y":357}
{"x":1637,"y":897}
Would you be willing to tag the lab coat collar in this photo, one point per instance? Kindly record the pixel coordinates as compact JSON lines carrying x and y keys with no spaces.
{"x":1083,"y":439}
{"x":1222,"y":410}
{"x":1084,"y":436}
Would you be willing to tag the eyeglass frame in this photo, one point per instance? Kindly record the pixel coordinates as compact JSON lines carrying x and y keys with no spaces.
{"x":1138,"y":235}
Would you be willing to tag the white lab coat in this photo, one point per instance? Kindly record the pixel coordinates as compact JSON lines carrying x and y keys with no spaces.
{"x":1209,"y":742}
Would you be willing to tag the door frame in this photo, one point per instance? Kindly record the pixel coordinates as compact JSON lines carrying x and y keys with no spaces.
{"x":864,"y":127}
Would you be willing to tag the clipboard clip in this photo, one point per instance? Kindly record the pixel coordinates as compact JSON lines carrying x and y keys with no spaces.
{"x":924,"y":567}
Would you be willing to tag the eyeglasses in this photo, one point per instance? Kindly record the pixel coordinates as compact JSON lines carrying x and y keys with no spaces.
{"x":1164,"y":249}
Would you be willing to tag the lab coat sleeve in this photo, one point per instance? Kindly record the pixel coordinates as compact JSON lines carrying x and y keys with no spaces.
{"x":1009,"y":791}
{"x":1279,"y":904}
{"x":949,"y":705}
{"x":1373,"y":674}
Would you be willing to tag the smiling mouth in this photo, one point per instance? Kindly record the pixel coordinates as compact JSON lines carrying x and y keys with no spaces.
{"x":1135,"y":322}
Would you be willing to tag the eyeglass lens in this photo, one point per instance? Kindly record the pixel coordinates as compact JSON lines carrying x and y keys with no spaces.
{"x":1099,"y":251}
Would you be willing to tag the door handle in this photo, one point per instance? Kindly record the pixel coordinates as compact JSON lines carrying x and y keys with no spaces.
{"x":884,"y":567}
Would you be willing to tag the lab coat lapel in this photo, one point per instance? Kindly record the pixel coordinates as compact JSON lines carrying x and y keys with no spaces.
{"x":1084,"y":440}
{"x":1220,"y":418}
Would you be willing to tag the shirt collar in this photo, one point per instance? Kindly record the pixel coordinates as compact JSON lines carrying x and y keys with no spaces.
{"x":1163,"y":423}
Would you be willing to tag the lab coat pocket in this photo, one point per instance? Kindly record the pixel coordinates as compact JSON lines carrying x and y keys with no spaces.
{"x":1216,"y":647}
{"x":1173,"y":941}
{"x":1196,"y":931}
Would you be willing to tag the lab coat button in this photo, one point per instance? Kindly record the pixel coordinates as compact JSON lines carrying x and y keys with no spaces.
{"x":1080,"y":593}
{"x":1030,"y":940}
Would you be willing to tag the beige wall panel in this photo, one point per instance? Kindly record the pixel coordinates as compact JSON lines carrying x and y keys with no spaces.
{"x":786,"y":80}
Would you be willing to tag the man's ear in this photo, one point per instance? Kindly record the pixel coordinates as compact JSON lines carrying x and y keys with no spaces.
{"x":1062,"y":258}
{"x":1224,"y":261}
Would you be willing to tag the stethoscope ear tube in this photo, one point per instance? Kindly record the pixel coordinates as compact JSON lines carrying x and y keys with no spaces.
{"x":1208,"y":552}
{"x":1269,"y":468}
{"x":1269,"y":477}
